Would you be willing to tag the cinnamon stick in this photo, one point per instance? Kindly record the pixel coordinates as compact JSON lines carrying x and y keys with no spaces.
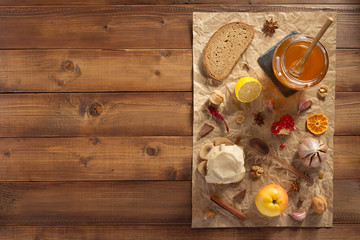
{"x":228,"y":208}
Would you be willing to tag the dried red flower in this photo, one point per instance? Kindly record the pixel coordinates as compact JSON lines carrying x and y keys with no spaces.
{"x":282,"y":146}
{"x":284,"y":126}
{"x":217,"y":114}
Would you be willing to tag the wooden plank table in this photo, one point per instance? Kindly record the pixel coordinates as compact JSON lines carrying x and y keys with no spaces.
{"x":96,"y":119}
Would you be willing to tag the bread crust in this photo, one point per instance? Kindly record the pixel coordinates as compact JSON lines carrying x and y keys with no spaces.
{"x":210,"y":40}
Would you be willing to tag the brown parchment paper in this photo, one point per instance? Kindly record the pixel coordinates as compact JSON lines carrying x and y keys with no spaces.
{"x":308,"y":23}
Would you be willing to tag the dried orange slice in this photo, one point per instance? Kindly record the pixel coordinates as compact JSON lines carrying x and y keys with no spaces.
{"x":317,"y":123}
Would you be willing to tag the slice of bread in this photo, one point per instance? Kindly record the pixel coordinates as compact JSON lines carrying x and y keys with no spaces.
{"x":225,"y":47}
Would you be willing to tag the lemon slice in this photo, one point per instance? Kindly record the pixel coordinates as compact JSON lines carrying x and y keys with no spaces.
{"x":247,"y":89}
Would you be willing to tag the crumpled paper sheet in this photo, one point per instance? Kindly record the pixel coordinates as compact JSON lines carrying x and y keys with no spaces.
{"x":308,"y":23}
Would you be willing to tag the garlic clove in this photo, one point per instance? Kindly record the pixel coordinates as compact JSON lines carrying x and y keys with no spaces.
{"x":322,"y":147}
{"x":315,"y":161}
{"x":322,"y":156}
{"x":312,"y":143}
{"x":298,"y":216}
{"x":306,"y":160}
{"x":304,"y":104}
{"x":269,"y":105}
{"x":305,"y":150}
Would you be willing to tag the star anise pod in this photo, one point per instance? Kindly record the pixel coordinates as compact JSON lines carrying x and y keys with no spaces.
{"x":259,"y":118}
{"x":295,"y":186}
{"x":269,"y":27}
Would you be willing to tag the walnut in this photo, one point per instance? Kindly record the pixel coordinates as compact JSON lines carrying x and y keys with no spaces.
{"x":323,"y":90}
{"x":319,"y":204}
{"x":256,"y":172}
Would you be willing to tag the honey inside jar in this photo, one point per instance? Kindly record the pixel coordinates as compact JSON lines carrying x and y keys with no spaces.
{"x":290,"y":51}
{"x":314,"y":63}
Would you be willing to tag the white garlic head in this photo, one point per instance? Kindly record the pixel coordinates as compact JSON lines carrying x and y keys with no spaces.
{"x":312,"y":152}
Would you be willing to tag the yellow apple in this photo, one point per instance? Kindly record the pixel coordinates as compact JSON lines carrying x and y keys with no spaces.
{"x":271,"y":200}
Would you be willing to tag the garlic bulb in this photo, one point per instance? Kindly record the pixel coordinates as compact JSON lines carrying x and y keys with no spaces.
{"x":312,"y":152}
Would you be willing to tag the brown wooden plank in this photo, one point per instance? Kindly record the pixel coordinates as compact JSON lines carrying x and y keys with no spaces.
{"x":121,"y":70}
{"x":168,"y":232}
{"x":134,"y":26}
{"x":346,"y":157}
{"x":105,"y":114}
{"x":343,"y":212}
{"x":128,"y":158}
{"x":347,"y":113}
{"x":348,"y":70}
{"x":82,"y":159}
{"x":166,"y":2}
{"x":125,"y":114}
{"x":118,"y":203}
{"x":95,"y":70}
{"x":95,"y":203}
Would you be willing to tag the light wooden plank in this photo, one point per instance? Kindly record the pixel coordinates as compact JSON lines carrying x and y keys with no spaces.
{"x":95,"y":159}
{"x":118,"y":203}
{"x":128,"y":158}
{"x":105,"y":114}
{"x":169,"y":232}
{"x":95,"y":203}
{"x":122,"y":70}
{"x":124,"y":114}
{"x":348,"y":70}
{"x":95,"y":70}
{"x":167,"y":2}
{"x":133,"y":26}
{"x":347,"y":113}
{"x":346,"y":157}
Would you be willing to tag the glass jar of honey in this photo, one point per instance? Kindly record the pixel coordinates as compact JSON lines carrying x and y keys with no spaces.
{"x":290,"y":51}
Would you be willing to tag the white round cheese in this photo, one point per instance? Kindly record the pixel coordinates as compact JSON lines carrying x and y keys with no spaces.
{"x":225,"y":164}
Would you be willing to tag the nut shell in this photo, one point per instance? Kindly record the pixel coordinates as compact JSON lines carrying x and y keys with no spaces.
{"x":216,"y":97}
{"x":256,"y":172}
{"x":323,"y":90}
{"x":319,"y":204}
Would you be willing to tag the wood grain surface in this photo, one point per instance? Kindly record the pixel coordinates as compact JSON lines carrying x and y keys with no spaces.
{"x":123,"y":26}
{"x":121,"y":70}
{"x":96,"y":119}
{"x":100,"y":114}
{"x":124,"y":158}
{"x":167,"y":2}
{"x":95,"y":70}
{"x":96,"y":159}
{"x":126,"y":202}
{"x":182,"y":231}
{"x":124,"y":114}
